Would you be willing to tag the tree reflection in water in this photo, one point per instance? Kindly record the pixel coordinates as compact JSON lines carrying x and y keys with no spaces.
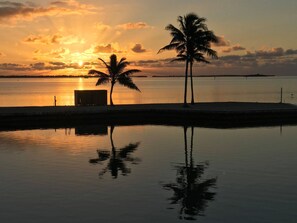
{"x":190,"y":190}
{"x":117,"y":158}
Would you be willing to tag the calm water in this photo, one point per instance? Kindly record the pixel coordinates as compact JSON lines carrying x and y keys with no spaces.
{"x":85,"y":175}
{"x":24,"y":92}
{"x":149,"y":173}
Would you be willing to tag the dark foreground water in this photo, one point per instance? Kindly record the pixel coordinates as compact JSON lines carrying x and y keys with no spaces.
{"x":149,"y":174}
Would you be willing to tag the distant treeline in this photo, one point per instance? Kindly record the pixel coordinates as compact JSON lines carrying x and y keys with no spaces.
{"x":224,"y":75}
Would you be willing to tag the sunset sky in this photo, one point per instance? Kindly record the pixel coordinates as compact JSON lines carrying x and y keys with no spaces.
{"x":66,"y":37}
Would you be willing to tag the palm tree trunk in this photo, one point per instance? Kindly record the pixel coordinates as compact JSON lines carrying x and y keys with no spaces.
{"x":186,"y":84}
{"x":192,"y":89}
{"x":110,"y":95}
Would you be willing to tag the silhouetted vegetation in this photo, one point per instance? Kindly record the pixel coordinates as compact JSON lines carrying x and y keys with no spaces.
{"x":116,"y":73}
{"x":191,"y":41}
{"x":191,"y":191}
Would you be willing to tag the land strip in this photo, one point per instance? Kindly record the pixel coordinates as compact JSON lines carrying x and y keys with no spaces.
{"x":217,"y":115}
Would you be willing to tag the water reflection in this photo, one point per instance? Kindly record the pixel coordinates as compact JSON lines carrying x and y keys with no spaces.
{"x":117,"y":159}
{"x":86,"y":130}
{"x":191,"y":191}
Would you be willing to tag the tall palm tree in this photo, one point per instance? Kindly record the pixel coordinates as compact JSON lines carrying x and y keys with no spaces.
{"x":191,"y":41}
{"x":116,"y":73}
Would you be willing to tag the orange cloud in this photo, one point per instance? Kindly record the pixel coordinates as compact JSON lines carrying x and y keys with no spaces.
{"x":274,"y":52}
{"x":59,"y":53}
{"x":105,"y":49}
{"x":138,"y":49}
{"x":131,"y":26}
{"x":43,"y":39}
{"x":53,"y":39}
{"x":236,"y":47}
{"x":16,"y":12}
{"x":102,"y":27}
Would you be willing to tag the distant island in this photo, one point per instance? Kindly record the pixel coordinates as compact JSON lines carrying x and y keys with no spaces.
{"x":137,"y":76}
{"x":223,"y":75}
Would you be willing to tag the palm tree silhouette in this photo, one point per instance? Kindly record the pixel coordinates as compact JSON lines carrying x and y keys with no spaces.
{"x":191,"y":41}
{"x":117,"y":158}
{"x":115,"y":74}
{"x":190,"y":190}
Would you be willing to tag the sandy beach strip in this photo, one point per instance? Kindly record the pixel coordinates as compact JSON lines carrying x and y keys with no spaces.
{"x":225,"y":113}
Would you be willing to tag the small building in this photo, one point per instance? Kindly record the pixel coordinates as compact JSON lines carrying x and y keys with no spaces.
{"x":90,"y":97}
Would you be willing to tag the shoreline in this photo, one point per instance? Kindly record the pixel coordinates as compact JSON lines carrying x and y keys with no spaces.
{"x":213,"y":115}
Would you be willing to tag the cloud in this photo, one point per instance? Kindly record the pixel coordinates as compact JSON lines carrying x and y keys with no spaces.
{"x":102,"y":27}
{"x":16,"y":12}
{"x":167,"y":62}
{"x":291,"y":52}
{"x":38,"y":66}
{"x":58,"y":53}
{"x":71,"y":39}
{"x":35,"y":67}
{"x":52,"y":65}
{"x":269,"y":61}
{"x":57,"y":63}
{"x":105,"y":49}
{"x":54,"y":39}
{"x":236,"y":47}
{"x":14,"y":67}
{"x":133,"y":26}
{"x":222,"y":42}
{"x":227,"y":50}
{"x":2,"y":54}
{"x":274,"y":52}
{"x":138,"y":49}
{"x":226,"y":46}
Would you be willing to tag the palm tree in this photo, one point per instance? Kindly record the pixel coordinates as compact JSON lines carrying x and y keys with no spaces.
{"x":116,"y":73}
{"x":191,"y":41}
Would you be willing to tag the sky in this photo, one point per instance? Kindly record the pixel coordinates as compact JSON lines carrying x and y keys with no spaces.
{"x":48,"y":37}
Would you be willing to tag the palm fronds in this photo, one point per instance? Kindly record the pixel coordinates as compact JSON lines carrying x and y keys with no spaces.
{"x":116,"y":73}
{"x":127,"y":82}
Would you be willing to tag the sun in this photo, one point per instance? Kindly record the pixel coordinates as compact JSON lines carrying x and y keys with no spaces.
{"x":80,"y":63}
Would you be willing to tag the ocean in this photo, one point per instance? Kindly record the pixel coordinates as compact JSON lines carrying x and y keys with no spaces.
{"x":41,"y":91}
{"x":148,"y":173}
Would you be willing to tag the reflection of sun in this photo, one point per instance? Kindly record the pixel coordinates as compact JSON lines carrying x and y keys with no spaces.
{"x":80,"y":63}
